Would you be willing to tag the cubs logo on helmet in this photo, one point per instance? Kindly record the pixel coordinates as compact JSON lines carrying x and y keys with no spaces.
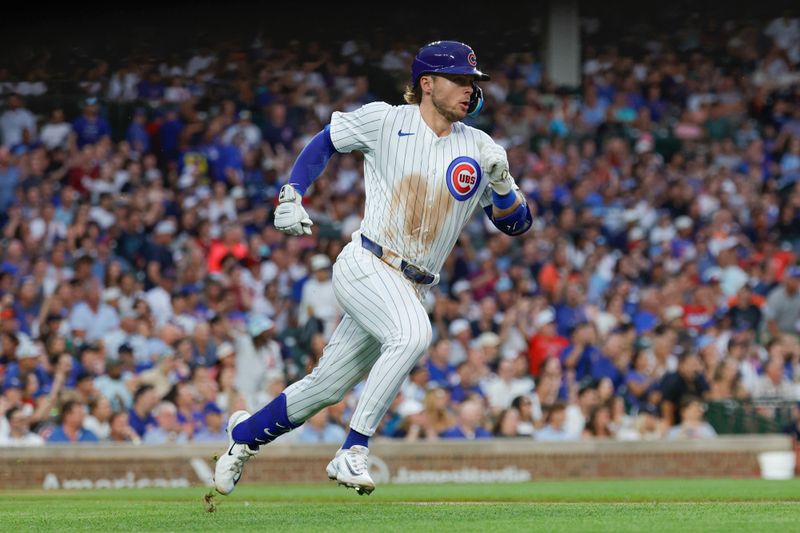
{"x":463,"y":177}
{"x":471,"y":59}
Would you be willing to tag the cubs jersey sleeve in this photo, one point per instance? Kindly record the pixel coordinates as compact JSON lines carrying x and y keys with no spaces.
{"x":358,"y":130}
{"x":421,"y":189}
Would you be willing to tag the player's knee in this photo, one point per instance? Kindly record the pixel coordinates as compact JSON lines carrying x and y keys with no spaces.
{"x":416,"y":339}
{"x":332,"y":398}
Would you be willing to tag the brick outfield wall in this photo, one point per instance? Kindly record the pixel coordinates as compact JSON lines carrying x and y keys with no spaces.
{"x":80,"y":466}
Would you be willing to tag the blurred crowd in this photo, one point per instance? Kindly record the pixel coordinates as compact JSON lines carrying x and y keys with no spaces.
{"x":145,"y":295}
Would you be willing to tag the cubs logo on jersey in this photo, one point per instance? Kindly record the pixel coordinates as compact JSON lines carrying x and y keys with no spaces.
{"x":463,"y":177}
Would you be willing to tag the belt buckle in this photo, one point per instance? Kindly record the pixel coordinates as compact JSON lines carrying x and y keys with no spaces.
{"x":414,"y":273}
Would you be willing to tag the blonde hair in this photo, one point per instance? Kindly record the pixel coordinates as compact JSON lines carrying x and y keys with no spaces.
{"x":413,"y":95}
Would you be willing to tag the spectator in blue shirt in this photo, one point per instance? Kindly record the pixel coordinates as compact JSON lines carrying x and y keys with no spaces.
{"x":169,"y":135}
{"x":468,"y":426}
{"x":440,"y":371}
{"x":137,"y":132}
{"x":70,"y":430}
{"x":213,"y":430}
{"x":140,"y":416}
{"x":9,"y":177}
{"x":555,"y":428}
{"x":27,"y":354}
{"x":581,"y":351}
{"x":467,"y":384}
{"x":168,"y":429}
{"x":90,"y":127}
{"x":319,"y":428}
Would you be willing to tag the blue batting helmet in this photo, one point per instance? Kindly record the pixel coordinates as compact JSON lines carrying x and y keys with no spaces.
{"x":445,"y":57}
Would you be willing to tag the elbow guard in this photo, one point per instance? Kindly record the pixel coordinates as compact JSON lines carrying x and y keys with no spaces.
{"x":517,"y":223}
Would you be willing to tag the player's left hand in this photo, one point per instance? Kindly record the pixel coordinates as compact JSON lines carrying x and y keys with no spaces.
{"x":290,"y":216}
{"x":495,"y":163}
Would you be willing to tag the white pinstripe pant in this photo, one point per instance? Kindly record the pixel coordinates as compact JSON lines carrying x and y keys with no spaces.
{"x":385,"y":328}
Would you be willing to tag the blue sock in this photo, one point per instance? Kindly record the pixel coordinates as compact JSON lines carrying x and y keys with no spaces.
{"x":354,"y":438}
{"x":265,"y":425}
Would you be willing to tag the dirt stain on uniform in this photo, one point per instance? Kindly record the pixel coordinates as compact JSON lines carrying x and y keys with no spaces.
{"x":421,"y":222}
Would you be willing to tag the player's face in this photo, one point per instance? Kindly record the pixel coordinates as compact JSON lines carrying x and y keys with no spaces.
{"x":450,"y":95}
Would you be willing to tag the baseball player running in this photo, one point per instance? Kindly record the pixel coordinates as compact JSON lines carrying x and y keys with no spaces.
{"x":425,"y":173}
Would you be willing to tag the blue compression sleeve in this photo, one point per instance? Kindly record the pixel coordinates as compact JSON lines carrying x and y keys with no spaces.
{"x":312,"y":160}
{"x":504,"y":202}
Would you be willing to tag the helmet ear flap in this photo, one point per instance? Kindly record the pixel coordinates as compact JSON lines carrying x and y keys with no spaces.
{"x":475,"y":101}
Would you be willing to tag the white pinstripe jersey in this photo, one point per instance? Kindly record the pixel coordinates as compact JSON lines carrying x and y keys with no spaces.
{"x":421,"y":189}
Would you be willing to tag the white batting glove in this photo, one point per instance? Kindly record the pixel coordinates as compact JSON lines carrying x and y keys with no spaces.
{"x":290,"y":216}
{"x":495,"y":163}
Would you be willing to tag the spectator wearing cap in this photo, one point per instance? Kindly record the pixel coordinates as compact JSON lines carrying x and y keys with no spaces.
{"x":460,"y":334}
{"x":258,"y":356}
{"x":19,"y":433}
{"x":782,"y":310}
{"x":157,"y":254}
{"x":212,"y":430}
{"x":675,"y":386}
{"x":91,"y":318}
{"x":440,"y":371}
{"x":113,"y":386}
{"x":159,"y":298}
{"x":320,"y":429}
{"x":244,"y":129}
{"x":90,"y":127}
{"x":70,"y":428}
{"x":732,"y":276}
{"x":318,"y":299}
{"x":545,"y":342}
{"x":28,"y":361}
{"x":167,"y":430}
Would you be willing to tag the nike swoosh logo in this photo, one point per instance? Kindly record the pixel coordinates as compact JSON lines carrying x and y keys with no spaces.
{"x":350,"y":468}
{"x":401,"y":133}
{"x":270,"y":434}
{"x":280,"y":425}
{"x":231,"y":449}
{"x":261,"y":441}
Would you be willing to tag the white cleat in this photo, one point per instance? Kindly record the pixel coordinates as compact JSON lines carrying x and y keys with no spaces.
{"x":350,"y":469}
{"x":231,"y":462}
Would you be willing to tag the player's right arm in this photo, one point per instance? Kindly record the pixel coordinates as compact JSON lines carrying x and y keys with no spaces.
{"x":358,"y":130}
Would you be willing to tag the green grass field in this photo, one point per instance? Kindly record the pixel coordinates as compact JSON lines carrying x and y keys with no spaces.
{"x":624,"y":505}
